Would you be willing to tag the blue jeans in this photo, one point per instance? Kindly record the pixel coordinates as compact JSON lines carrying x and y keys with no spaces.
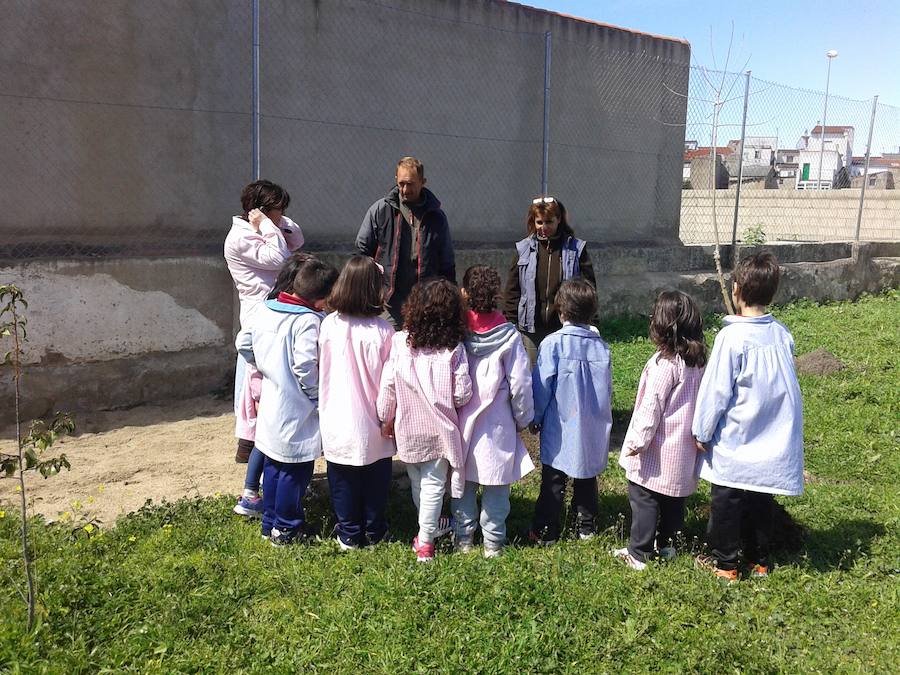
{"x":494,"y":510}
{"x":427,"y":481}
{"x":254,"y":470}
{"x":286,"y":485}
{"x":359,"y":495}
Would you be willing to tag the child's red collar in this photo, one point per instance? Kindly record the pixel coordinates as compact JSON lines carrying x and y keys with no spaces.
{"x":289,"y":299}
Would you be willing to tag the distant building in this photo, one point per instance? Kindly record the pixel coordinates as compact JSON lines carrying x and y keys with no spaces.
{"x":753,"y":163}
{"x":695,"y":171}
{"x":834,"y":150}
{"x":786,"y":165}
{"x":884,"y":171}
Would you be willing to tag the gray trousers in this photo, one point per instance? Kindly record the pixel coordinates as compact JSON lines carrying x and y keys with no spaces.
{"x":655,"y":521}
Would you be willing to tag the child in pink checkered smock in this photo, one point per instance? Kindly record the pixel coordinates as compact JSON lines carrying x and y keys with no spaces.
{"x":423,"y":384}
{"x":659,"y":455}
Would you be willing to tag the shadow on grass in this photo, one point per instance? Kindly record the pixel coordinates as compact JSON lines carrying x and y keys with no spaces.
{"x":841,"y":546}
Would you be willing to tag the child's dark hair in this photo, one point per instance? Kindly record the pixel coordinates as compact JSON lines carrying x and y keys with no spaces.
{"x":314,"y":279}
{"x":285,"y":280}
{"x":264,"y":195}
{"x":359,"y":289}
{"x":676,"y":327}
{"x":577,"y":301}
{"x":482,"y":284}
{"x":757,"y":277}
{"x":433,"y":315}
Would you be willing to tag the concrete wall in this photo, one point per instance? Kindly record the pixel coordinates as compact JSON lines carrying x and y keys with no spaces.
{"x":125,"y":124}
{"x":792,"y":215}
{"x":115,"y":333}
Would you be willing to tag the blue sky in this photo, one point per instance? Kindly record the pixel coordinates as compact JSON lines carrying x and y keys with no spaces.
{"x":785,"y":40}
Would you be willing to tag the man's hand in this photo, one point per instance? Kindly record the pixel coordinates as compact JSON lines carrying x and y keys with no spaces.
{"x":387,"y":429}
{"x":632,"y":452}
{"x":256,"y":217}
{"x":700,"y":446}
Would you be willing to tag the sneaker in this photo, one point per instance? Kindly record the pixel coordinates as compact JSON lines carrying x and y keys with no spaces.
{"x":623,"y":555}
{"x":668,"y":553}
{"x":446,"y":525}
{"x":251,"y":507}
{"x":535,"y":538}
{"x":424,"y":552}
{"x":492,"y":551}
{"x":707,"y":562}
{"x":279,"y":538}
{"x":586,"y":536}
{"x":759,"y":571}
{"x":344,"y":547}
{"x":463,"y":546}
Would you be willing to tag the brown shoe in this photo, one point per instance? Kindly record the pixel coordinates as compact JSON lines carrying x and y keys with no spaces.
{"x":244,"y":448}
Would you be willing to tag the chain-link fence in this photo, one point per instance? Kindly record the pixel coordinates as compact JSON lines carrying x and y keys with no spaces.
{"x":785,"y":167}
{"x":143,"y":149}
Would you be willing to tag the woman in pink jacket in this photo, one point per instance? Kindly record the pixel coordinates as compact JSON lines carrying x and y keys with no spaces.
{"x":354,"y":344}
{"x":500,"y":407}
{"x":258,"y":245}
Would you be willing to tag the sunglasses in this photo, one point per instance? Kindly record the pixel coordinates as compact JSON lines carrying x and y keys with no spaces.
{"x":543,"y":200}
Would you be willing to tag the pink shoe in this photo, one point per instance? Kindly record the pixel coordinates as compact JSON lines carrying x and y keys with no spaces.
{"x":424,"y":552}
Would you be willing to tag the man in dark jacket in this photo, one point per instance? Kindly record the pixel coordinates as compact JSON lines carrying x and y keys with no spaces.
{"x":407,"y":233}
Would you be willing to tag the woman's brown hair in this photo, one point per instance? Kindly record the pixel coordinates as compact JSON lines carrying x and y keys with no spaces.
{"x":359,"y":288}
{"x":549,"y":206}
{"x":676,"y":327}
{"x":433,"y":315}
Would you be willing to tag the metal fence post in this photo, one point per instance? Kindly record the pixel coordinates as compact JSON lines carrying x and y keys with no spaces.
{"x":254,"y":84}
{"x":862,"y":193}
{"x":545,"y":159}
{"x":737,"y":196}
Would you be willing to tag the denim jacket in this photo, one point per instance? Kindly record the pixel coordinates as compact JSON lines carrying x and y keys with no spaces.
{"x":570,"y":254}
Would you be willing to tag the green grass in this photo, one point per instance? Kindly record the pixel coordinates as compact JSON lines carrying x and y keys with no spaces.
{"x":186,"y":587}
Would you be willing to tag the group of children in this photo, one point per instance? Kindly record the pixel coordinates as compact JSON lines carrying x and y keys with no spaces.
{"x":450,"y":393}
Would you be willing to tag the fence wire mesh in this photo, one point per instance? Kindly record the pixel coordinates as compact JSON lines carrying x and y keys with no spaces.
{"x":149,"y":159}
{"x":789,"y":177}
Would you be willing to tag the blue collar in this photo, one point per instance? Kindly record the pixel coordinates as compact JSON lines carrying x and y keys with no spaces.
{"x":291,"y":309}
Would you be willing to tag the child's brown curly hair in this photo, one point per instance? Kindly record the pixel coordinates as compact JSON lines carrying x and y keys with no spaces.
{"x":482,"y":284}
{"x":433,"y":315}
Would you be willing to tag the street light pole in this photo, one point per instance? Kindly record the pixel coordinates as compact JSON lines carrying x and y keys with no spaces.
{"x":831,"y":53}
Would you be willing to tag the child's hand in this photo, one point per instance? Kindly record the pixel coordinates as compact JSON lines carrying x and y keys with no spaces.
{"x":387,"y":429}
{"x":632,"y":452}
{"x":256,"y":217}
{"x":700,"y":446}
{"x":534,"y":428}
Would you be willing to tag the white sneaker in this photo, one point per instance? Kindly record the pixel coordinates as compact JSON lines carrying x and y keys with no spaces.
{"x":586,"y":536}
{"x":445,"y":526}
{"x":492,"y":551}
{"x":463,"y":546}
{"x":623,"y":555}
{"x":344,"y":548}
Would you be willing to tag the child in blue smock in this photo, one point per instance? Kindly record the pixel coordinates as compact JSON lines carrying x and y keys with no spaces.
{"x":572,"y":387}
{"x":748,"y":423}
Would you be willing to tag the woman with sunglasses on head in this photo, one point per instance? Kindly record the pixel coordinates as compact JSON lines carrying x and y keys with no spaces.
{"x":549,"y":255}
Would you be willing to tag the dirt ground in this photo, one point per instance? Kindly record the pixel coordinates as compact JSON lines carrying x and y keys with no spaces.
{"x":122,"y":458}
